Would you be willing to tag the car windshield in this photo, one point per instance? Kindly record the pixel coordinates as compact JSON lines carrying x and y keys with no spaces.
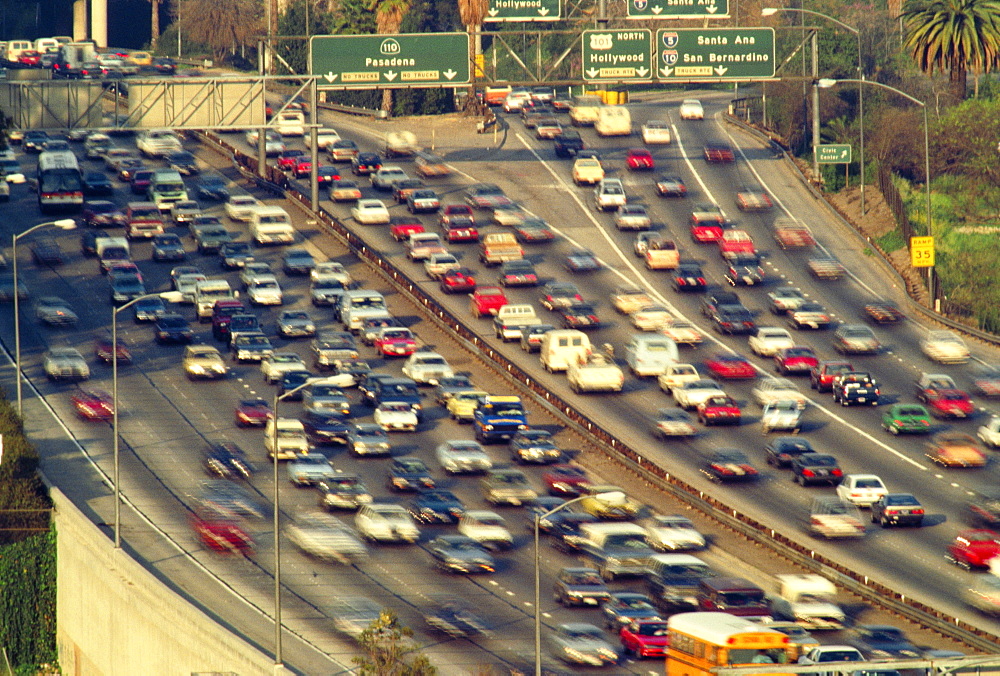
{"x":653,"y":629}
{"x":411,"y":466}
{"x":584,"y":578}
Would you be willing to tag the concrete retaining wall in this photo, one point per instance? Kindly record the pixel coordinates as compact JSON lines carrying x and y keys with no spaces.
{"x":114,"y":617}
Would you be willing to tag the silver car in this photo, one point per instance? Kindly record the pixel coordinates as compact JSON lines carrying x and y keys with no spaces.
{"x":580,"y":643}
{"x":296,"y":324}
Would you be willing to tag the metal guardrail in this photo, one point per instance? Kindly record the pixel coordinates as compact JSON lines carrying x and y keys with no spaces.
{"x":863,"y":586}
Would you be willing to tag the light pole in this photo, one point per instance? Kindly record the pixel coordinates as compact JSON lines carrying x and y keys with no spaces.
{"x":169,"y":296}
{"x":612,"y":498}
{"x":62,"y":224}
{"x":769,"y":11}
{"x":278,"y":663}
{"x":825,"y":83}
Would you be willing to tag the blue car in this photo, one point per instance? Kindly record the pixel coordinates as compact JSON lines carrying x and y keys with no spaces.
{"x":436,"y":507}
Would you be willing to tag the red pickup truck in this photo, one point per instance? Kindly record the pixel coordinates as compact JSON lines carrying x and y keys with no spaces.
{"x":487,"y":300}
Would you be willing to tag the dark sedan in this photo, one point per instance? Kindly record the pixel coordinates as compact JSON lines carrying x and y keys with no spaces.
{"x":460,"y":554}
{"x":436,"y":506}
{"x":96,"y":184}
{"x":103,"y":213}
{"x":816,"y":468}
{"x":782,"y":450}
{"x":581,"y":316}
{"x":325,"y":428}
{"x":897,"y":509}
{"x":365,"y":164}
{"x":212,"y":188}
{"x":173,"y":328}
{"x":183,"y":163}
{"x":689,"y":277}
{"x":409,"y":474}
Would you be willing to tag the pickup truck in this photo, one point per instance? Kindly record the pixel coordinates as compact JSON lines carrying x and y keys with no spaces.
{"x":790,"y":234}
{"x":498,"y":418}
{"x":487,"y":300}
{"x":617,"y":549}
{"x":595,"y":374}
{"x":661,"y":254}
{"x":498,"y":247}
{"x":402,"y":229}
{"x":808,"y":600}
{"x":422,"y":245}
{"x":512,"y":319}
{"x":210,"y":237}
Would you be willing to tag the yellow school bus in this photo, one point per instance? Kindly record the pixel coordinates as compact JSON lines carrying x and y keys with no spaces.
{"x":700,"y":642}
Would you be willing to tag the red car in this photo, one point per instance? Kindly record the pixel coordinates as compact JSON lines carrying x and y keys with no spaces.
{"x":252,"y":413}
{"x":974,"y":548}
{"x":103,"y":351}
{"x":486,"y":300}
{"x":457,"y":212}
{"x":707,"y":225}
{"x":93,"y":405}
{"x":821,"y":376}
{"x":302,"y":166}
{"x":395,"y":341}
{"x":645,"y":638}
{"x":719,"y":410}
{"x":733,"y":243}
{"x":458,"y":280}
{"x":796,"y":359}
{"x":401,"y":227}
{"x":730,"y":367}
{"x":287,"y":159}
{"x":221,"y":532}
{"x":948,"y":403}
{"x":460,"y":233}
{"x":30,"y":58}
{"x":568,"y":480}
{"x":639,"y":159}
{"x":719,"y":153}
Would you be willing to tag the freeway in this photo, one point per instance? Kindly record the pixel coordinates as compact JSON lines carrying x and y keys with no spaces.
{"x":158,"y":404}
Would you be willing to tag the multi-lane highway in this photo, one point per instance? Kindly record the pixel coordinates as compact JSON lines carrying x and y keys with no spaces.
{"x":167,"y":421}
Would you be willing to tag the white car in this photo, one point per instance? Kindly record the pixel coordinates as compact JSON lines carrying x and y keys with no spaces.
{"x":510,"y":215}
{"x":386,"y":523}
{"x":241,"y":207}
{"x":785,"y":298}
{"x":632,"y":217}
{"x":655,"y":132}
{"x":185,"y":284}
{"x":265,"y":290}
{"x":651,"y":317}
{"x":324,"y":138}
{"x":326,"y":538}
{"x":989,"y":433}
{"x":673,"y":534}
{"x":609,"y":194}
{"x":689,"y":395}
{"x":394,"y":416}
{"x":487,"y":528}
{"x":65,"y":363}
{"x":252,"y":270}
{"x":861,"y":489}
{"x":772,"y":390}
{"x":370,"y":212}
{"x":681,"y":332}
{"x":440,"y":263}
{"x":944,"y":347}
{"x":274,"y":365}
{"x":427,"y":368}
{"x":691,"y":109}
{"x":463,"y":456}
{"x":273,"y":143}
{"x":386,"y":176}
{"x":330,"y":269}
{"x":770,"y":340}
{"x":784,"y":415}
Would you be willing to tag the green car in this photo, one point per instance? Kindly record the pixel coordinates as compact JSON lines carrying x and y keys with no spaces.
{"x":909,"y":418}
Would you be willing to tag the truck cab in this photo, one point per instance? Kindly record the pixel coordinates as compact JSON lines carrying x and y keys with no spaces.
{"x":498,"y":418}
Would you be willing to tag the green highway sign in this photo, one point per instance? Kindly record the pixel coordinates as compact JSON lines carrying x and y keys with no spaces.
{"x":713,"y":54}
{"x":618,"y":55}
{"x":524,"y":10}
{"x":833,"y":153}
{"x":405,"y":60}
{"x":677,"y":9}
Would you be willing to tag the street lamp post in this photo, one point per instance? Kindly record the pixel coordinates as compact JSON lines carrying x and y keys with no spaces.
{"x":62,"y":224}
{"x":169,"y":296}
{"x":278,"y":660}
{"x":769,"y":11}
{"x":611,"y":497}
{"x":825,"y":83}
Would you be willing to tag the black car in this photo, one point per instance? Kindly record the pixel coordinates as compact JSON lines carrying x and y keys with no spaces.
{"x":729,"y":466}
{"x":816,"y":468}
{"x":409,"y":474}
{"x":534,"y":446}
{"x":399,"y":390}
{"x":580,"y":316}
{"x":290,"y":380}
{"x":855,"y":388}
{"x":782,"y":450}
{"x":326,"y":175}
{"x":897,"y":509}
{"x":689,"y":277}
{"x":243,"y":323}
{"x":569,"y":143}
{"x":96,"y":183}
{"x":669,"y":185}
{"x":234,"y":255}
{"x":226,"y":460}
{"x":298,"y":262}
{"x":733,"y":320}
{"x":365,"y":164}
{"x":710,"y":302}
{"x":460,"y":554}
{"x":518,"y":273}
{"x":436,"y":506}
{"x":879,"y":641}
{"x":184,"y":163}
{"x":745,"y":270}
{"x":579,"y":587}
{"x":212,"y":188}
{"x":34,"y":140}
{"x":46,"y":251}
{"x":168,"y":247}
{"x":164,"y":65}
{"x":325,"y":428}
{"x":173,"y":328}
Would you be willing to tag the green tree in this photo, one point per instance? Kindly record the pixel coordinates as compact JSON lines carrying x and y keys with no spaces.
{"x":389,"y":650}
{"x":225,"y":26}
{"x":954,"y":36}
{"x":388,"y":18}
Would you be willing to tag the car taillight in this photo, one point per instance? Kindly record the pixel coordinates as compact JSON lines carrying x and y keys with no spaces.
{"x":701,"y":280}
{"x":837,"y":472}
{"x":808,"y":472}
{"x":916,"y":511}
{"x":722,"y":470}
{"x":748,"y":469}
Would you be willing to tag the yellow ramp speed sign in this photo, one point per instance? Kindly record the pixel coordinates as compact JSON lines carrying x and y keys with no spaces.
{"x":922,"y":252}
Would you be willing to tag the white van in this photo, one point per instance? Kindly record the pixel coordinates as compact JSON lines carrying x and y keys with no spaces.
{"x":562,"y":347}
{"x":271,"y":225}
{"x":584,"y":109}
{"x":613,"y":121}
{"x":16,"y":47}
{"x":291,"y":123}
{"x":46,"y":45}
{"x":207,"y":292}
{"x":649,"y":354}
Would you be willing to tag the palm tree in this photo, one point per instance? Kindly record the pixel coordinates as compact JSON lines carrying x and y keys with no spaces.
{"x":388,"y":17}
{"x":154,"y":24}
{"x":953,"y":35}
{"x":472,"y":13}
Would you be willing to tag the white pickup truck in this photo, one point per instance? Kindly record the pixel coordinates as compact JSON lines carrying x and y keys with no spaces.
{"x":597,"y":373}
{"x":510,"y":320}
{"x":676,"y":375}
{"x":423,"y":245}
